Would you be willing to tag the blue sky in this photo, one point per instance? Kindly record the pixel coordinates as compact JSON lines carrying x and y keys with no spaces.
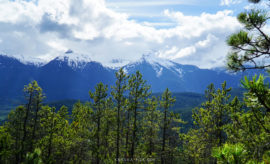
{"x":185,"y":31}
{"x":153,"y":10}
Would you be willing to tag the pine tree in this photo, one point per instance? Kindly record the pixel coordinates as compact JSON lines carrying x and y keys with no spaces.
{"x":250,"y":46}
{"x":34,"y":97}
{"x":209,"y":120}
{"x":14,"y":126}
{"x":108,"y":132}
{"x":170,"y":128}
{"x":6,"y":142}
{"x":166,"y":102}
{"x":138,"y":92}
{"x":118,"y":94}
{"x":151,"y":128}
{"x":82,"y":129}
{"x":99,"y":99}
{"x":251,"y":120}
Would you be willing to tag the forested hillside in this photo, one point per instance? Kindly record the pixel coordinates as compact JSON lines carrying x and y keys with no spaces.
{"x":132,"y":125}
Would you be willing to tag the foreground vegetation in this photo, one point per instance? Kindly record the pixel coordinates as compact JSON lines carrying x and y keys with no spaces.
{"x":123,"y":126}
{"x":131,"y":125}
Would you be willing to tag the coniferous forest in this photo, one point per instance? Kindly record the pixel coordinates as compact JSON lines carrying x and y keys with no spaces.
{"x":126,"y":123}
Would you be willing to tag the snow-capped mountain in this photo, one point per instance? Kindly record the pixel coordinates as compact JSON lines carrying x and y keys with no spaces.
{"x":74,"y":60}
{"x":161,"y":73}
{"x":71,"y":76}
{"x":65,"y":77}
{"x":158,"y":64}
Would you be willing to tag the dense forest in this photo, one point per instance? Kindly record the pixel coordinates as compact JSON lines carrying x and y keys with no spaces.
{"x":129,"y":124}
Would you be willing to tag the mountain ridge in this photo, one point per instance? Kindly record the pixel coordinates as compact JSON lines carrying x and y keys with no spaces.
{"x":71,"y":77}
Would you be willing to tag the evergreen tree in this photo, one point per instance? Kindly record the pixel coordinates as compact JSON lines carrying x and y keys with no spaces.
{"x":251,"y":121}
{"x":138,"y":92}
{"x":25,"y":120}
{"x":33,"y":158}
{"x":250,"y":46}
{"x":6,"y":142}
{"x":82,"y":133}
{"x":121,"y":102}
{"x":14,"y":127}
{"x":170,"y":129}
{"x":151,"y":128}
{"x":108,"y":132}
{"x":99,"y":99}
{"x":209,"y":120}
{"x":166,"y":102}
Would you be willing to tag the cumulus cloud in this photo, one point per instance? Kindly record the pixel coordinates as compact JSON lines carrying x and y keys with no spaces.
{"x":264,"y":4}
{"x":47,"y":28}
{"x":229,"y":2}
{"x":128,"y":3}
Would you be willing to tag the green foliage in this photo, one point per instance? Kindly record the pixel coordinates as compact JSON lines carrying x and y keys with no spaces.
{"x":127,"y":125}
{"x":5,"y":145}
{"x":170,"y":128}
{"x":250,"y":125}
{"x":130,"y":124}
{"x":259,"y":93}
{"x":250,"y":120}
{"x":253,"y":19}
{"x":151,"y":128}
{"x":239,"y":39}
{"x":138,"y":92}
{"x":33,"y":158}
{"x":118,"y":94}
{"x":209,"y":121}
{"x":250,"y":44}
{"x":234,"y":154}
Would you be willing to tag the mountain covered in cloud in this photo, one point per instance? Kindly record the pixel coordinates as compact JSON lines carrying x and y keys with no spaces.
{"x":71,"y":76}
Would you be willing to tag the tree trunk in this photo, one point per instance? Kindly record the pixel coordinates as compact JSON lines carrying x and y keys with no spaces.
{"x":164,"y":136}
{"x":34,"y":128}
{"x":134,"y":134}
{"x":24,"y":127}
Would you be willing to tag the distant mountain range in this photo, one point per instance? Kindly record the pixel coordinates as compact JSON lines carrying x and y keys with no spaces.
{"x":71,"y":76}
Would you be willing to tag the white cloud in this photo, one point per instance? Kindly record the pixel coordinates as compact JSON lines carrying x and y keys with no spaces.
{"x":264,"y":4}
{"x":229,"y":2}
{"x":146,"y":3}
{"x":47,"y":28}
{"x":185,"y":52}
{"x":207,"y":42}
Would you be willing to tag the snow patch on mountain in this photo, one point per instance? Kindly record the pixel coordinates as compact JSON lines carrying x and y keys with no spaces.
{"x":74,"y":60}
{"x":180,"y":72}
{"x":158,"y":64}
{"x":116,"y":64}
{"x":157,"y":61}
{"x":26,"y":60}
{"x":159,"y":73}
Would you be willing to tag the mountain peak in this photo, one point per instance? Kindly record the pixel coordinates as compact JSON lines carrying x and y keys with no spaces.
{"x":26,"y":60}
{"x":153,"y":59}
{"x":74,"y":60}
{"x":159,"y":65}
{"x":69,"y":51}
